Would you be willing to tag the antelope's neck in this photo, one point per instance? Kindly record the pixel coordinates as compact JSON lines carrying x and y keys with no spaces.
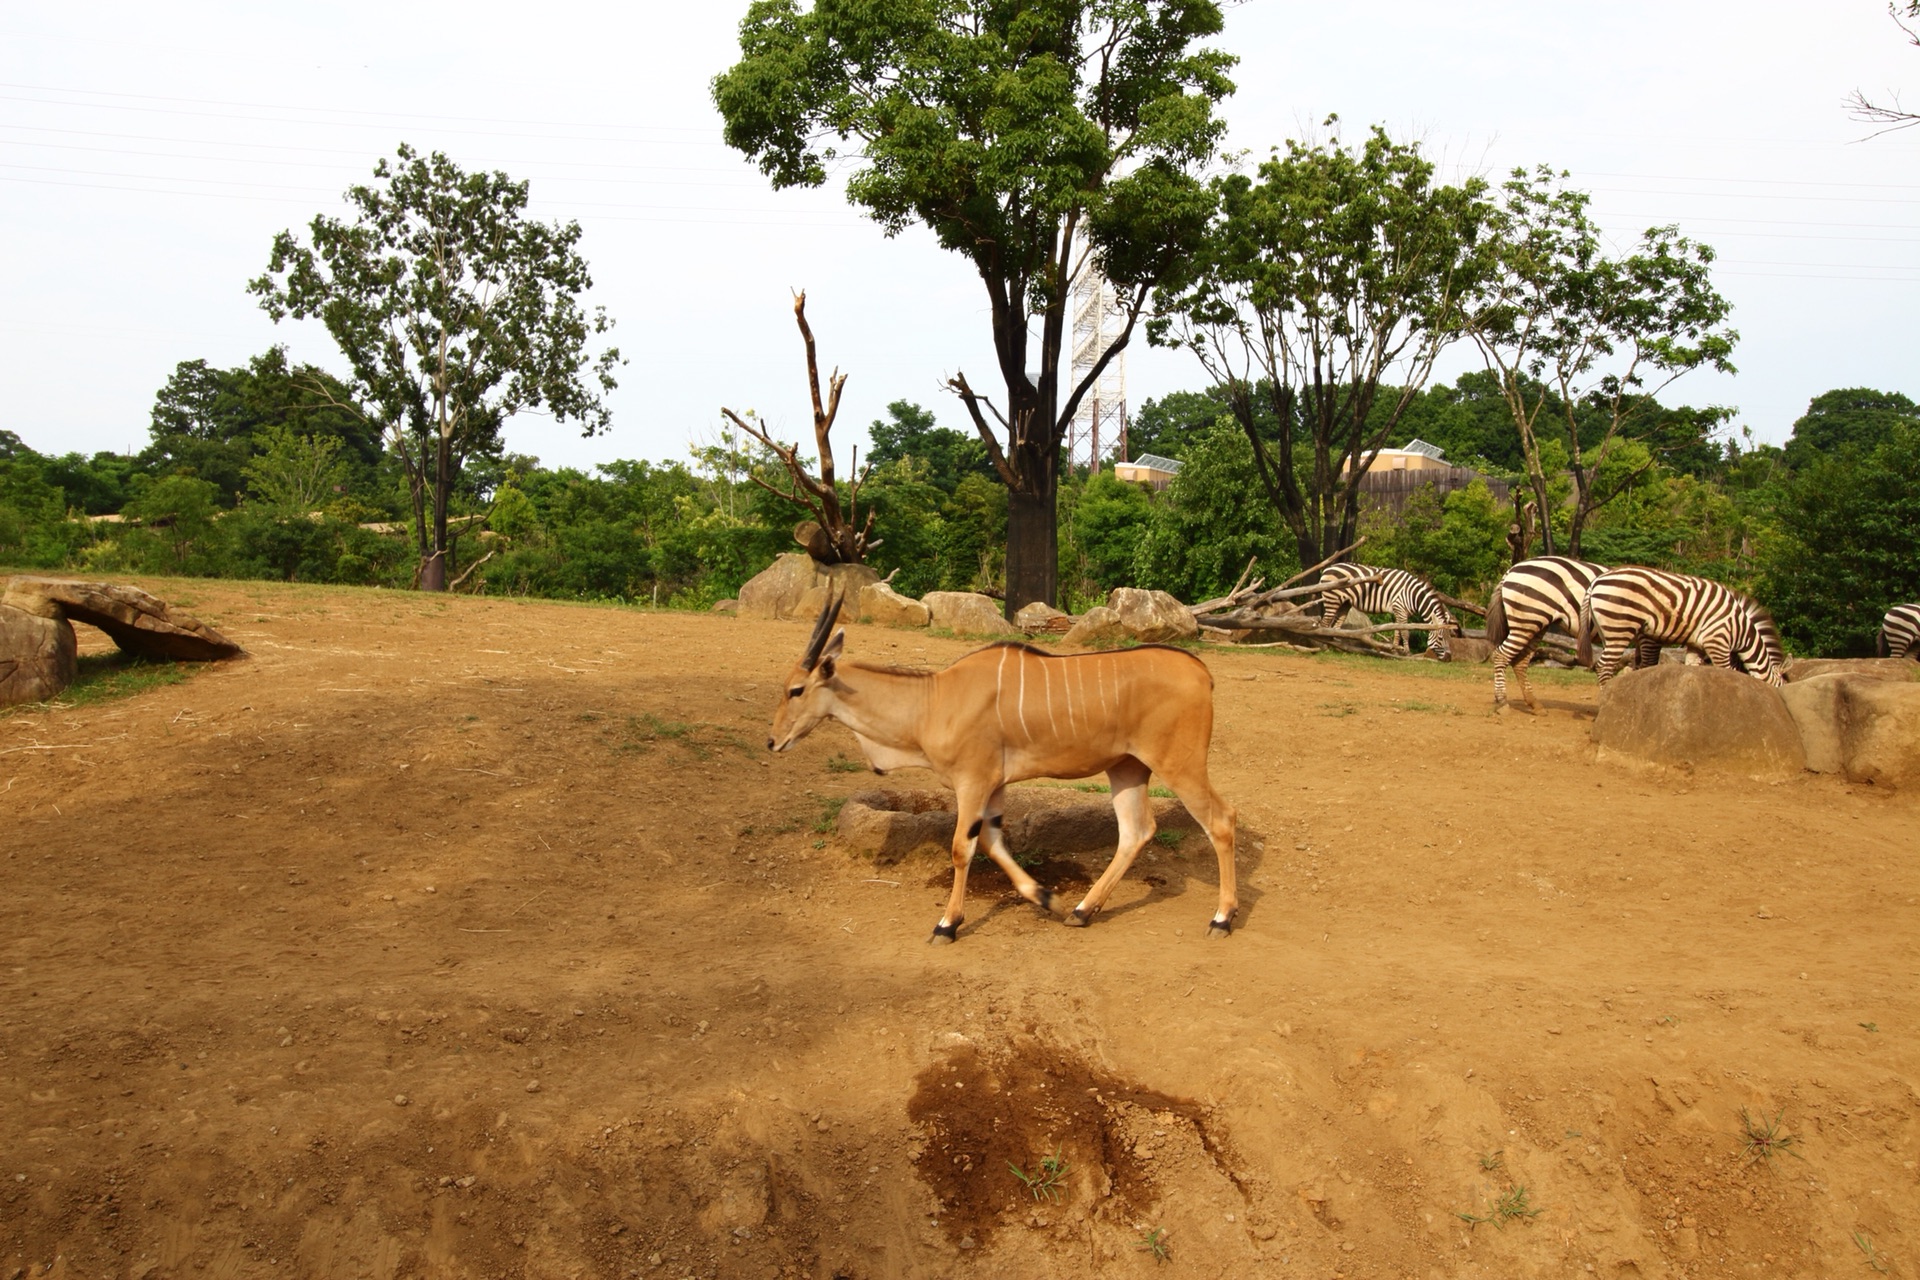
{"x":885,"y":706}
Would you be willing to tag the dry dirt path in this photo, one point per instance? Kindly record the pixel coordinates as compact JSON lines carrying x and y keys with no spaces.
{"x":483,"y":938}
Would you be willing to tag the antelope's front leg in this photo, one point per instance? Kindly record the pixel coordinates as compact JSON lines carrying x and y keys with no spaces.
{"x":967,"y":823}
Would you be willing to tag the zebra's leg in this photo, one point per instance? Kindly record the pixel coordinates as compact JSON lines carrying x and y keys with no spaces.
{"x":1402,"y":640}
{"x":1520,"y":678}
{"x":1646,"y":653}
{"x":1613,"y":656}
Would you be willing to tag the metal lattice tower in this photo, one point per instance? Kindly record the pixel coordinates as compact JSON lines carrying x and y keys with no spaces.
{"x":1099,"y":427}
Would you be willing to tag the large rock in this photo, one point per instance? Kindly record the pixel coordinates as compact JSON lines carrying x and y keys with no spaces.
{"x":968,"y":614}
{"x":1098,"y":628}
{"x":780,"y":590}
{"x":1152,"y":617}
{"x":1877,"y":668}
{"x":880,"y":603}
{"x":1881,"y":732}
{"x":1466,"y":649}
{"x":1699,"y":718}
{"x":1038,"y":615}
{"x":1818,"y":707}
{"x":137,"y":622}
{"x":888,"y":825}
{"x":37,"y":656}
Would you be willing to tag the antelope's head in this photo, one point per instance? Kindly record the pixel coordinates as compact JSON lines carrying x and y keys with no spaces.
{"x":806,"y":698}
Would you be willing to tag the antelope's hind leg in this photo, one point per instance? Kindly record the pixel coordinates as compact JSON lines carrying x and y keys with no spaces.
{"x":993,"y":837}
{"x":1128,"y":782}
{"x":1212,"y":811}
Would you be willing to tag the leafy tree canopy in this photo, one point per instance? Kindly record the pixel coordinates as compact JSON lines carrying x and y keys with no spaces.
{"x":908,"y":431}
{"x":455,"y":311}
{"x":1850,"y":418}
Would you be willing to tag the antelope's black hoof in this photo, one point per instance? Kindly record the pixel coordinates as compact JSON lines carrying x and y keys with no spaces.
{"x":944,"y":934}
{"x":1047,"y":902}
{"x":1220,"y":928}
{"x":1081,"y":917}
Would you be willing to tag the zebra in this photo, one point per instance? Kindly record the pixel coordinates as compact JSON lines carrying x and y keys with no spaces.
{"x":1397,"y":592}
{"x":1900,"y":633}
{"x":1626,"y":607}
{"x":1534,"y":595}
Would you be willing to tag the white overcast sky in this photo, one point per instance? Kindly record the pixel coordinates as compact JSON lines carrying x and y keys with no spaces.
{"x":148,"y":154}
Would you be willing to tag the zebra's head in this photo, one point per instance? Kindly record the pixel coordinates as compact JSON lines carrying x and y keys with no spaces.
{"x":1756,"y":645}
{"x":1445,"y":625}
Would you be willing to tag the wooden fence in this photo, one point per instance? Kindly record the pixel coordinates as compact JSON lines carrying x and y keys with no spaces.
{"x":1392,"y":490}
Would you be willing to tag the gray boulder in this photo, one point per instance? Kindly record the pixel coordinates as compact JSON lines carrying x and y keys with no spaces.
{"x":1152,"y":617}
{"x":967,"y":613}
{"x":880,"y":603}
{"x":1699,"y":718}
{"x":1883,"y":732}
{"x":37,"y":656}
{"x":1098,"y":628}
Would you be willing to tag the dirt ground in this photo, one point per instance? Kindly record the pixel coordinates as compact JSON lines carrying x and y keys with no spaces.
{"x":477,"y":938}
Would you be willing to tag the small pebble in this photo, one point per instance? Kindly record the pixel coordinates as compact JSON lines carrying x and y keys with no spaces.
{"x":399,"y":1099}
{"x":533,"y":1086}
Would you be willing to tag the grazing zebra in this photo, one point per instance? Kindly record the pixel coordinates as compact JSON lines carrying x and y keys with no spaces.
{"x":1398,"y":592}
{"x":1900,"y":633}
{"x":1534,"y":595}
{"x":1626,"y":607}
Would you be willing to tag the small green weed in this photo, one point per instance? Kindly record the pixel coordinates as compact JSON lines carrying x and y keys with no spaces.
{"x":1871,"y":1026}
{"x":1510,"y":1205}
{"x":837,"y":763}
{"x":1491,"y":1160}
{"x":829,"y":816}
{"x":1043,"y":1183}
{"x":647,"y":730}
{"x":1763,"y":1139}
{"x":1154,"y":1241}
{"x":1414,"y":704}
{"x":1162,"y":793}
{"x":1864,"y":1243}
{"x":101,"y":677}
{"x":1169,"y":839}
{"x":1338,"y":710}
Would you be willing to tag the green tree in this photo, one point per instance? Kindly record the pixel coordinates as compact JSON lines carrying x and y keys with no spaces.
{"x":1849,"y":545}
{"x":1204,"y":530}
{"x":455,"y":311}
{"x":206,"y":420}
{"x":909,"y":431}
{"x":295,"y":475}
{"x":179,"y":511}
{"x":1107,"y":519}
{"x":1458,"y":543}
{"x":1582,"y":342}
{"x":36,"y":529}
{"x":1327,"y":274}
{"x":1855,"y":417}
{"x":1038,"y":138}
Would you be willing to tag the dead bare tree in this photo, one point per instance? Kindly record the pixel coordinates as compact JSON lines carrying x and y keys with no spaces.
{"x":834,"y":535}
{"x":1891,"y":115}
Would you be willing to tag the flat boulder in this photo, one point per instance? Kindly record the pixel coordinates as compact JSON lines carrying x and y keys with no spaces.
{"x":880,"y":603}
{"x":1037,"y":616}
{"x":37,"y":656}
{"x":1873,"y":668}
{"x":1098,"y":628}
{"x":136,"y":621}
{"x":888,"y":825}
{"x":967,"y":613}
{"x":1152,"y":617}
{"x":1698,"y":718}
{"x":1466,"y":649}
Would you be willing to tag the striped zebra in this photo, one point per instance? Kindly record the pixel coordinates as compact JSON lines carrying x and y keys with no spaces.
{"x":1534,"y":595}
{"x":1626,"y":607}
{"x":1900,"y":633}
{"x":1402,"y":594}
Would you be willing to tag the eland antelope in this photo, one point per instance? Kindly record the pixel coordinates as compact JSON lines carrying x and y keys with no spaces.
{"x":1010,"y":712}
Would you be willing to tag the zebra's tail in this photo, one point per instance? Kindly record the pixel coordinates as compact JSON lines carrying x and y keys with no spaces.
{"x":1496,"y":619}
{"x":1583,"y":649}
{"x":1881,"y":645}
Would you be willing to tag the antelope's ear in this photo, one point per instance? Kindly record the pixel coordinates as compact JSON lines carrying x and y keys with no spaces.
{"x":832,"y":651}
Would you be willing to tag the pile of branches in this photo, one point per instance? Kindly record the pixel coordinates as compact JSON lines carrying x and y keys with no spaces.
{"x":1289,"y":614}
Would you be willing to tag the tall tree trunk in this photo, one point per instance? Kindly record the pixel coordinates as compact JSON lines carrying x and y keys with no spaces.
{"x":433,"y":574}
{"x":1033,"y":545}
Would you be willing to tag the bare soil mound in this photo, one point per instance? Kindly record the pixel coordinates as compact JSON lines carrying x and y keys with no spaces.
{"x":472,"y":938}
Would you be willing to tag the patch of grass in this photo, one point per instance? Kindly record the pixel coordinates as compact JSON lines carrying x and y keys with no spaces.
{"x":1154,"y":1241}
{"x":1338,"y":710}
{"x":102,"y":677}
{"x":1415,"y":704}
{"x":1864,"y":1243}
{"x":837,"y":763}
{"x":1762,"y":1139}
{"x":1870,"y":1026}
{"x":1169,"y":839}
{"x":1045,"y":1182}
{"x":829,"y":816}
{"x":645,"y":731}
{"x":1511,"y":1205}
{"x":1491,"y":1160}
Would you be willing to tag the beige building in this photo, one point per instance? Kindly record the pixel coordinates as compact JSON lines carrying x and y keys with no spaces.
{"x":1417,"y":456}
{"x":1149,"y":469}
